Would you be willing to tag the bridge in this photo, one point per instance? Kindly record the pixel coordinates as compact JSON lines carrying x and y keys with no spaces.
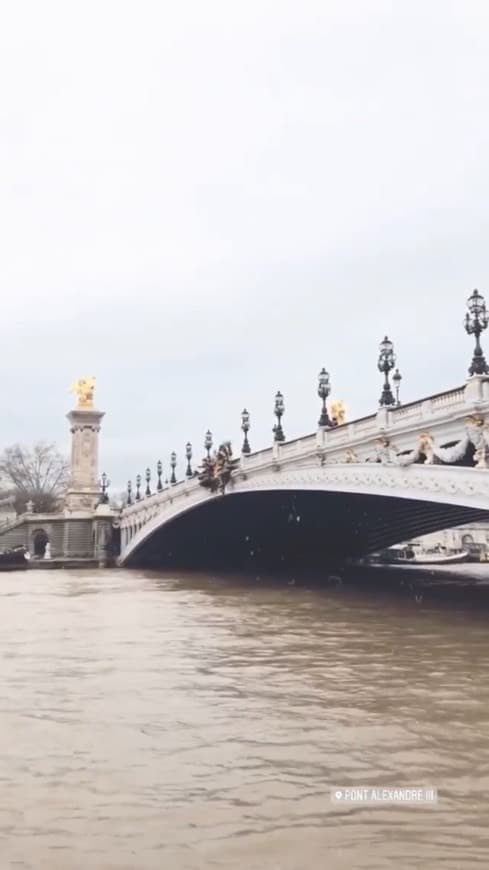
{"x":344,"y":490}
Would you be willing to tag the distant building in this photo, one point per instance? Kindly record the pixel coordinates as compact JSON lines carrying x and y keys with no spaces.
{"x":473,"y":536}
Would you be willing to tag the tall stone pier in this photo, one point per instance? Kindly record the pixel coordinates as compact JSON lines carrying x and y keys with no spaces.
{"x":84,"y":489}
{"x":88,"y":526}
{"x":81,"y":532}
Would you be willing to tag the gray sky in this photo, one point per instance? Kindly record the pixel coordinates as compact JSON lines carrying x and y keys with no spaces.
{"x":204,"y":202}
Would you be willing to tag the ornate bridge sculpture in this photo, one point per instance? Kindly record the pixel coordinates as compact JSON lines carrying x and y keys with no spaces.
{"x":347,"y":489}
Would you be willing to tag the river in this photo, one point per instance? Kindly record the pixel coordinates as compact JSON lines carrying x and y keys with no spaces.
{"x":153,"y":722}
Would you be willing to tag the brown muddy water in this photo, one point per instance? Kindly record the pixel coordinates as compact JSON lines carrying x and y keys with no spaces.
{"x":152,"y":722}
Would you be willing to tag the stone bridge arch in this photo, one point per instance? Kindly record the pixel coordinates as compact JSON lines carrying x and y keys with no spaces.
{"x":349,"y":509}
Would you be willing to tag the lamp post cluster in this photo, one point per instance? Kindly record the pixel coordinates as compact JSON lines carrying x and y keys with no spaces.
{"x":160,"y":486}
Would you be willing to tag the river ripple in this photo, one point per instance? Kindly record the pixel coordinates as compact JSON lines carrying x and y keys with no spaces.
{"x":150,"y":722}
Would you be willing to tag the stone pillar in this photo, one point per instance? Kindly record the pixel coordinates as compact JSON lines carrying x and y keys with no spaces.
{"x":103,"y":533}
{"x":476,"y":389}
{"x":84,"y":490}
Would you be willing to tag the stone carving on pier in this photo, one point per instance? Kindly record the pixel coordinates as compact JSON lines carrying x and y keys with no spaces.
{"x":476,"y":434}
{"x":385,"y":451}
{"x":478,"y":431}
{"x":85,"y":390}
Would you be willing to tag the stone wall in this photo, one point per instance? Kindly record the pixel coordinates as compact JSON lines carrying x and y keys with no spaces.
{"x":69,"y":537}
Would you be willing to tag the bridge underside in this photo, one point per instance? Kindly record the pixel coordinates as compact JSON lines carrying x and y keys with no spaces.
{"x":256,"y":531}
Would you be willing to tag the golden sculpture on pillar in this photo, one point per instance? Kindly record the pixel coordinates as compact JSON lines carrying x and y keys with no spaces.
{"x":85,"y":389}
{"x":338,"y":412}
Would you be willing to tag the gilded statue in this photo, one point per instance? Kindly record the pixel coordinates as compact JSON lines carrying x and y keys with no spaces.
{"x":85,"y":389}
{"x":426,"y":446}
{"x":338,"y":412}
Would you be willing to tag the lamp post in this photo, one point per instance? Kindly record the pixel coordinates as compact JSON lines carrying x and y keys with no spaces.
{"x":159,"y":472}
{"x":279,"y":411}
{"x":148,"y":479}
{"x":324,"y":389}
{"x":476,"y":321}
{"x":138,"y":487}
{"x":245,"y":426}
{"x":188,"y":454}
{"x":104,"y":485}
{"x":173,"y":464}
{"x":208,"y":443}
{"x":386,"y":363}
{"x":129,"y":492}
{"x":397,"y":378}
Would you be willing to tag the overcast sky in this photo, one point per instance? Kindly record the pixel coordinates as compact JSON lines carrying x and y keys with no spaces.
{"x":204,"y":202}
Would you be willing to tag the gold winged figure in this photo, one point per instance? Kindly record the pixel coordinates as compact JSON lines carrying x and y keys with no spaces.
{"x":85,"y":389}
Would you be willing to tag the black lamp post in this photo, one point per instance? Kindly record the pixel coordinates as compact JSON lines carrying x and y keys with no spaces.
{"x":279,"y":411}
{"x":173,"y":464}
{"x":476,"y":321}
{"x":324,"y":389}
{"x":104,"y":485}
{"x":159,"y":472}
{"x":386,"y":363}
{"x":245,"y":426}
{"x":148,"y":479}
{"x":129,"y":492}
{"x":208,"y":443}
{"x":188,"y":454}
{"x":397,"y":378}
{"x":138,"y":487}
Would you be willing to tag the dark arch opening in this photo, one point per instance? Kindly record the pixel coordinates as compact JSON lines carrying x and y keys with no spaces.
{"x":292,"y":529}
{"x":40,"y":540}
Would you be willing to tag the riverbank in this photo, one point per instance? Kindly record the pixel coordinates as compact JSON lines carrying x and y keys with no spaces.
{"x":53,"y":564}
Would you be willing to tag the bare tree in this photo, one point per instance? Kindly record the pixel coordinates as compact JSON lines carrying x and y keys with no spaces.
{"x":39,"y":474}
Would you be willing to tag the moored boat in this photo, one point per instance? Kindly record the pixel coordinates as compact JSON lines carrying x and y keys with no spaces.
{"x":15,"y":559}
{"x":410,"y":554}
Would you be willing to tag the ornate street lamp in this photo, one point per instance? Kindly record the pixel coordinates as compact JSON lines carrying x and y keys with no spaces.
{"x":386,"y":363}
{"x":104,"y":485}
{"x":138,"y":487}
{"x":476,"y":321}
{"x":324,"y":389}
{"x":148,"y":479}
{"x":397,"y":378}
{"x":245,"y":426}
{"x":188,"y":454}
{"x":159,"y":472}
{"x":129,"y":492}
{"x":208,"y":443}
{"x":173,"y":464}
{"x":279,"y":411}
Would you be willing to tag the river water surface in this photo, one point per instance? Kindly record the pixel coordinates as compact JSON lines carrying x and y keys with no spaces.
{"x":183,"y":723}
